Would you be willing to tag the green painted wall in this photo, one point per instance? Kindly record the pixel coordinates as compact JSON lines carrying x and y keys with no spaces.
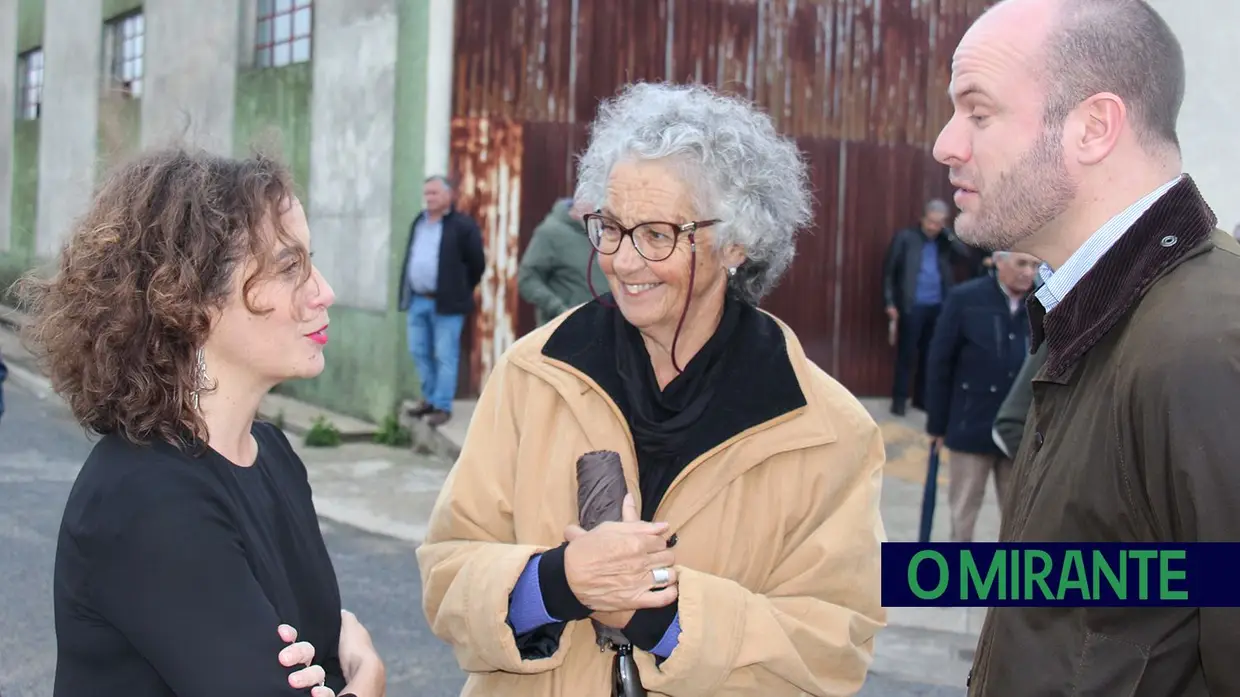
{"x":29,"y":24}
{"x":369,"y":371}
{"x":120,"y":116}
{"x":113,"y":8}
{"x":272,"y":113}
{"x":20,"y":255}
{"x":409,"y":162}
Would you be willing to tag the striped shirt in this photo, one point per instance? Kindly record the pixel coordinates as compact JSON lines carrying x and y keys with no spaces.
{"x":1057,"y":284}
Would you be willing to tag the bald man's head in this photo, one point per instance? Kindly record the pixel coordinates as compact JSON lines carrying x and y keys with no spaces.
{"x":1088,"y":47}
{"x":1054,"y":99}
{"x":1119,"y":46}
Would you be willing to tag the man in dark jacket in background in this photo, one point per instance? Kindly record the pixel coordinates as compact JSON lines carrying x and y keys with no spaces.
{"x":980,"y":342}
{"x":444,"y":262}
{"x":552,"y":275}
{"x":917,"y":274}
{"x":4,"y":373}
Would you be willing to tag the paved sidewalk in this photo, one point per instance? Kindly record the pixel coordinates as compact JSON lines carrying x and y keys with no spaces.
{"x":391,"y":491}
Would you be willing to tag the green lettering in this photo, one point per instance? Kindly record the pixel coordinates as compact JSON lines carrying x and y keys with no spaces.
{"x":1143,"y":557}
{"x":1074,"y":565}
{"x":1014,"y":585}
{"x":1038,"y":577}
{"x":915,"y":586}
{"x":1166,"y":574}
{"x":1118,"y":584}
{"x":969,"y":577}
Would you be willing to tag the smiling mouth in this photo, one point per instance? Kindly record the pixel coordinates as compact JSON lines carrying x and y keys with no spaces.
{"x":638,"y":288}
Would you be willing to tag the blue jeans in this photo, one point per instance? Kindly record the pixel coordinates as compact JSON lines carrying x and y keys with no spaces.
{"x":435,"y":342}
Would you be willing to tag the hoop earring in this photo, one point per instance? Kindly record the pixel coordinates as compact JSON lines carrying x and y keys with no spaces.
{"x":200,"y":377}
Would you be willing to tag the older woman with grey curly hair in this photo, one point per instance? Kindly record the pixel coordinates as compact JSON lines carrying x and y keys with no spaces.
{"x":659,"y":492}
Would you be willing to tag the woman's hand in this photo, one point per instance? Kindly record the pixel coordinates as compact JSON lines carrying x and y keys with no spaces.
{"x":302,"y":653}
{"x":612,"y":567}
{"x":364,"y":672}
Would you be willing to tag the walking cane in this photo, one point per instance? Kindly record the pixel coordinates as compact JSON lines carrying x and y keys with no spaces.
{"x":930,"y":492}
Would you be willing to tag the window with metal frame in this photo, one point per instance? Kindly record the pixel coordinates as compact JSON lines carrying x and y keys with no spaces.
{"x":124,"y":44}
{"x":124,"y":51}
{"x":282,"y":36}
{"x":30,"y":84}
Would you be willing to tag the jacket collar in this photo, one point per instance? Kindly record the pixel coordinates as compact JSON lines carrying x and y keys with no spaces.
{"x":777,"y":407}
{"x":1174,"y":229}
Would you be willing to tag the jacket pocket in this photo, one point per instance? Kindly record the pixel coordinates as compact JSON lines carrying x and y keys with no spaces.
{"x":1109,"y":667}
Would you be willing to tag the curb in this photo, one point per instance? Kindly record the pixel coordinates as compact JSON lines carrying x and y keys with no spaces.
{"x":340,"y":513}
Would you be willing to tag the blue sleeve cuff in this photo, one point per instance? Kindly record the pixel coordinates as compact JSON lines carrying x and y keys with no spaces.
{"x":526,"y":610}
{"x":670,"y":639}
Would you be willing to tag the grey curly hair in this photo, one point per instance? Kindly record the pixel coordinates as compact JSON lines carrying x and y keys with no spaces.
{"x":739,"y":170}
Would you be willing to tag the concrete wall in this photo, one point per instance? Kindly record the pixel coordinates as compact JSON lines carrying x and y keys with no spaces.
{"x":368,"y":366}
{"x":190,"y":82}
{"x":69,"y":132}
{"x":352,"y":126}
{"x":1209,"y":136}
{"x":8,"y":95}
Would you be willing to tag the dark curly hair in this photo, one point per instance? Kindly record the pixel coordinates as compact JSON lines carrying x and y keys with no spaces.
{"x":118,"y":324}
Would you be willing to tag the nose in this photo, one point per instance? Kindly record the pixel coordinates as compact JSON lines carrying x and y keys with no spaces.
{"x":626,"y":259}
{"x":322,"y":296}
{"x":951,"y":148}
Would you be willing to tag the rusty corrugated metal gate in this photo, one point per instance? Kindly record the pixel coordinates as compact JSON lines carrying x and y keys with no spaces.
{"x":860,"y":84}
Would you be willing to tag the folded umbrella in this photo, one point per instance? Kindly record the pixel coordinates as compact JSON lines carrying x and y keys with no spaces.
{"x":600,"y":498}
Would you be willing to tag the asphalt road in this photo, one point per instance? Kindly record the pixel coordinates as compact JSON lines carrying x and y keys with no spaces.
{"x":40,"y":452}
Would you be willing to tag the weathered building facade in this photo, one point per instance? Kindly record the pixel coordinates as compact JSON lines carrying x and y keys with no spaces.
{"x":336,"y":88}
{"x":365,"y":98}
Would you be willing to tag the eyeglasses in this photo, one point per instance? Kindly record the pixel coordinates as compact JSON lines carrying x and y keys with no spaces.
{"x":655,"y":241}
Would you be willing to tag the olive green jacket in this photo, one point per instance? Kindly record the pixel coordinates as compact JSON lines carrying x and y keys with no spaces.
{"x":1010,"y":421}
{"x":552,"y":274}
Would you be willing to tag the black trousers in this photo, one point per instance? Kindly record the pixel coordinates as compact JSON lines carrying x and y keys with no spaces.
{"x":915,"y":329}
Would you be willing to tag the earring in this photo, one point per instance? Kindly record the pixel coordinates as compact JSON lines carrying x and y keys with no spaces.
{"x":200,"y":377}
{"x":731,"y":270}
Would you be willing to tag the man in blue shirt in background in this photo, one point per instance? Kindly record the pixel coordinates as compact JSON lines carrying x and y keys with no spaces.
{"x":917,"y":273}
{"x":444,"y":262}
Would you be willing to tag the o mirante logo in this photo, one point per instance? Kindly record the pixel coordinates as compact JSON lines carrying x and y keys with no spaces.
{"x":1063,"y":574}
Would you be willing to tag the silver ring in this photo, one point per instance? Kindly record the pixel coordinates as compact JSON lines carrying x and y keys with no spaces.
{"x":662,"y":576}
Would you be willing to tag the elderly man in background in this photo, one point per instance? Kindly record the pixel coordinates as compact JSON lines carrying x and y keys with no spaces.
{"x":980,"y":342}
{"x":444,"y":262}
{"x":1063,"y":145}
{"x":552,"y":276}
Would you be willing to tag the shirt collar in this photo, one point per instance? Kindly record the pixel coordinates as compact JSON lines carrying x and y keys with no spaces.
{"x":1056,"y":284}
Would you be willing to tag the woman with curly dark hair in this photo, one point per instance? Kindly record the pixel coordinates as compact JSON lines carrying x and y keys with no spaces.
{"x":190,"y":555}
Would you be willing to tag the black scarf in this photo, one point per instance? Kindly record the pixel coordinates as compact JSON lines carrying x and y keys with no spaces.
{"x":661,"y":420}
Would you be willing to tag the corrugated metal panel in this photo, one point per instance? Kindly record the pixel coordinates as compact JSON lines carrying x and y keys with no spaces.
{"x":487,"y":156}
{"x":861,"y":83}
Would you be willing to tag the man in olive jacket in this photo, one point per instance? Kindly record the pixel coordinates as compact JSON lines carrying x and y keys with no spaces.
{"x":552,"y":275}
{"x":1010,"y":423}
{"x":1063,"y":145}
